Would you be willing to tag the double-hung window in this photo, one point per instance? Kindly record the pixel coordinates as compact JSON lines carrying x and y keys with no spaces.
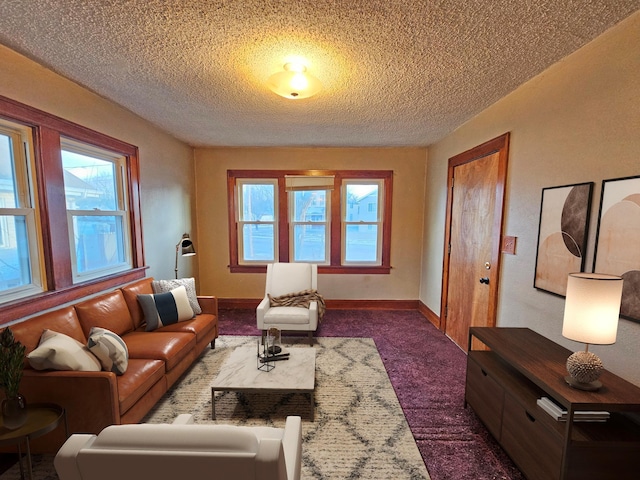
{"x":257,"y":221}
{"x":362,"y":221}
{"x":309,"y":212}
{"x":70,"y":222}
{"x":95,"y":192}
{"x":339,"y":220}
{"x":20,"y":255}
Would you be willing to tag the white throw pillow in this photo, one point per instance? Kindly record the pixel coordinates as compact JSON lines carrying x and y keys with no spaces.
{"x":58,"y":351}
{"x":110,"y":349}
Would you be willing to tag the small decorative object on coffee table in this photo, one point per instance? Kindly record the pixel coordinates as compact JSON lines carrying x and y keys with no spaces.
{"x":263,"y":359}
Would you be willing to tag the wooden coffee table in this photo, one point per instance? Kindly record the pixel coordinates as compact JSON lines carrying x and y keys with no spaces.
{"x":240,"y":373}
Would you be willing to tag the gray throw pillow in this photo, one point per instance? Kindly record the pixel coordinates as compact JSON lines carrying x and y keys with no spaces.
{"x":163,"y":286}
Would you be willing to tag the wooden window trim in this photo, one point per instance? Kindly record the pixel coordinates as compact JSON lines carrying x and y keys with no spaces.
{"x":47,"y":130}
{"x":336,"y":234}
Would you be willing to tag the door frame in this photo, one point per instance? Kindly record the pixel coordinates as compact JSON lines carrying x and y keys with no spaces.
{"x":498,"y":145}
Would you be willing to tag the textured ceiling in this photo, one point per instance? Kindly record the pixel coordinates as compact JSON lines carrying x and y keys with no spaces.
{"x":395,"y":72}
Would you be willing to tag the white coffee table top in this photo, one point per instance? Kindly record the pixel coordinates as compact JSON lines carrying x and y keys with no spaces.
{"x":240,"y":371}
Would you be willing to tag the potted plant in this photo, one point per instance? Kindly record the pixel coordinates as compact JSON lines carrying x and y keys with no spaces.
{"x":14,"y":412}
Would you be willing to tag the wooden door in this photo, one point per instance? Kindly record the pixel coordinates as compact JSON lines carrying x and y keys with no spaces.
{"x":474,"y":232}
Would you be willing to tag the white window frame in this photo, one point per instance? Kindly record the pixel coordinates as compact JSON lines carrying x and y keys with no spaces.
{"x":22,"y":149}
{"x":346,"y":222}
{"x":121,"y":210}
{"x":241,"y":222}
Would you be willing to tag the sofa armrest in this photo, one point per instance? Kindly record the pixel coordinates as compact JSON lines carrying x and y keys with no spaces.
{"x":292,"y":444}
{"x":90,"y":400}
{"x":65,"y":460}
{"x":208,"y":304}
{"x":261,"y":310}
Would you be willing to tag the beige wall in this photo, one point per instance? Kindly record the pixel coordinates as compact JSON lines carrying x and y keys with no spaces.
{"x":408,"y":165}
{"x":579,"y":121}
{"x":166,"y":164}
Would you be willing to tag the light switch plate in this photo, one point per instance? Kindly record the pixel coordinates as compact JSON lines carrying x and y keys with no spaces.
{"x":509,"y":245}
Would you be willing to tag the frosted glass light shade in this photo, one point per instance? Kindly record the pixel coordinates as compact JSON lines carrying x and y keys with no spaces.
{"x":294,"y":82}
{"x":592,"y":308}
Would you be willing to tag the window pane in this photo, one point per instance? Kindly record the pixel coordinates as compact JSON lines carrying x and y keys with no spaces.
{"x":362,"y":203}
{"x":8,"y":192}
{"x":309,"y":243}
{"x":361,"y":243}
{"x":310,"y":206}
{"x":98,"y":242}
{"x":15,"y":267}
{"x":257,"y":202}
{"x":258,"y":242}
{"x":89,"y":183}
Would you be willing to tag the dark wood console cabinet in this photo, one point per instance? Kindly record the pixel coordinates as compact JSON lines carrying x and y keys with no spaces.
{"x":503,"y":385}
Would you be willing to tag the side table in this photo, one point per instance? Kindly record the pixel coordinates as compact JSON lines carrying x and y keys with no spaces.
{"x":42,"y":418}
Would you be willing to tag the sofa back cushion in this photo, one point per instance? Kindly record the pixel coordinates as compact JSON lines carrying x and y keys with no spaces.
{"x":171,"y":451}
{"x":108,"y":310}
{"x":63,"y":320}
{"x":131,"y":292}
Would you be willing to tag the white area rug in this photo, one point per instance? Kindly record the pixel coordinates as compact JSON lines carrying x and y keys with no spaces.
{"x":359,"y":429}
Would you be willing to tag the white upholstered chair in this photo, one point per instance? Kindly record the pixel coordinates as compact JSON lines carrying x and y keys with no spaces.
{"x":184,"y":450}
{"x":284,"y":278}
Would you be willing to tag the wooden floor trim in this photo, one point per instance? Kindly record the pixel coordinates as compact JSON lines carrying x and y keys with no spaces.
{"x":248,"y":303}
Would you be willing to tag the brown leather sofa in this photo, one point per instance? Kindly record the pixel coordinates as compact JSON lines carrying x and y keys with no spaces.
{"x":94,"y":400}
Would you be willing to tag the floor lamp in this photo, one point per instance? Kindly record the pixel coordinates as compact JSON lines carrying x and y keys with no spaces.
{"x":185,"y":245}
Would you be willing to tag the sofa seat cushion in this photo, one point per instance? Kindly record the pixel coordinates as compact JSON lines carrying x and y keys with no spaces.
{"x":170,"y":347}
{"x":200,"y":326}
{"x":141,"y":375}
{"x":287,"y":315}
{"x":108,"y":310}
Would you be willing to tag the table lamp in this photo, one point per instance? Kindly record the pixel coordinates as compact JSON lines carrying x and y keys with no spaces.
{"x":185,"y":245}
{"x":591,"y":314}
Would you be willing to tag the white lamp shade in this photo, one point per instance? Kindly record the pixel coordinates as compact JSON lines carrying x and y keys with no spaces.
{"x":592,"y":308}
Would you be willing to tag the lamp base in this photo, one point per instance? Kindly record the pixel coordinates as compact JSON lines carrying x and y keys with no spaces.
{"x":590,"y":386}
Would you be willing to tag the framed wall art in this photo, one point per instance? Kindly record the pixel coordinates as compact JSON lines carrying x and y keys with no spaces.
{"x":562,"y":235}
{"x":618,"y":239}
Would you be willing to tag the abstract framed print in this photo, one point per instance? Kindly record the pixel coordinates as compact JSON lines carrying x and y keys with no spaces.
{"x":618,"y":239}
{"x":562,"y":235}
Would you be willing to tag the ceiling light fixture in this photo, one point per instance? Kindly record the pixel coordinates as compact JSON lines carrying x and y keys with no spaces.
{"x":294,"y":82}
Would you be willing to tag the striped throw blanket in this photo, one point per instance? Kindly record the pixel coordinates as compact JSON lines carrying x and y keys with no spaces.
{"x":299,"y":299}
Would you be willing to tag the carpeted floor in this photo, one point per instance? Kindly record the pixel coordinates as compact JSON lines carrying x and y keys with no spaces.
{"x":427,"y":371}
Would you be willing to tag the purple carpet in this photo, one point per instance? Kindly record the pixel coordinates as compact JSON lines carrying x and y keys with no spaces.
{"x":427,"y":371}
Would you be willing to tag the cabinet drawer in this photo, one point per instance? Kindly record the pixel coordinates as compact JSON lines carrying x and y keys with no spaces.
{"x":485,"y":396}
{"x":535,"y":448}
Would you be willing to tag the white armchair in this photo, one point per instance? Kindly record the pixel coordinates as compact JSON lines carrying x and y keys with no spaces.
{"x":184,"y":450}
{"x":282,"y":279}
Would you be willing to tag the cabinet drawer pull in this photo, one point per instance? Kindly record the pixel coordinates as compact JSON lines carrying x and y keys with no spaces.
{"x":530,"y":417}
{"x":483,"y":372}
